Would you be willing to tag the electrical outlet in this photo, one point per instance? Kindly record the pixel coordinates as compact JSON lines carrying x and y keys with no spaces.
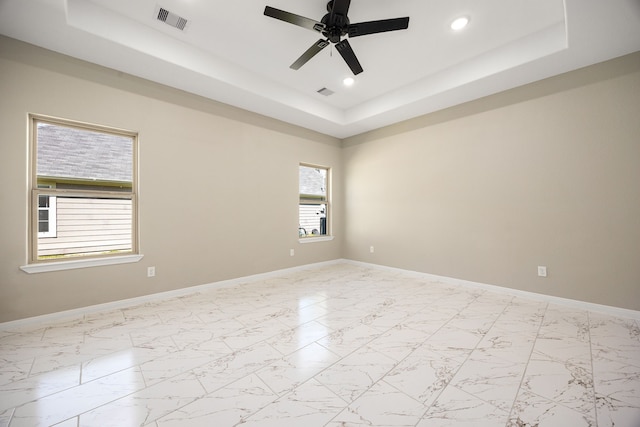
{"x":371,"y":249}
{"x":151,"y":271}
{"x":292,"y":252}
{"x":542,"y":271}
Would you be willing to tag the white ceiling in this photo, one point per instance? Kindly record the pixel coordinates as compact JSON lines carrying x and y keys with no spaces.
{"x":231,"y":52}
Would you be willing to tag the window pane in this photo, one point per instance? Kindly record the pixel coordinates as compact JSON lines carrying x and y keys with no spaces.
{"x":313,"y":207}
{"x":43,"y":201}
{"x":83,"y":156}
{"x":89,"y":226}
{"x":313,"y":183}
{"x":313,"y":220}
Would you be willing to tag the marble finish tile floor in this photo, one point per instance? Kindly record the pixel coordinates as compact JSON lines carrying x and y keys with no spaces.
{"x":334,"y":345}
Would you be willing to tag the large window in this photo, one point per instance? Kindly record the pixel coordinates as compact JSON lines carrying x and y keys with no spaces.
{"x":313,"y":219}
{"x":83,"y":190}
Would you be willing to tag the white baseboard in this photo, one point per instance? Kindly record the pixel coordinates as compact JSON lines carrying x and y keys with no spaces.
{"x":566,"y":302}
{"x":115,"y":305}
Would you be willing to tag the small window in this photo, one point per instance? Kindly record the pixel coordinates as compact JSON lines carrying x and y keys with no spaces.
{"x":313,"y":218}
{"x":47,"y":225}
{"x":83,"y":190}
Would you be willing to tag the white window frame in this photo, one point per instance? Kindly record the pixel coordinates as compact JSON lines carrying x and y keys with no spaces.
{"x":40,"y":264}
{"x":319,"y":201}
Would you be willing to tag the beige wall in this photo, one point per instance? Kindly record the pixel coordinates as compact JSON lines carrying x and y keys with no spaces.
{"x":204,"y":167}
{"x":547,"y":174}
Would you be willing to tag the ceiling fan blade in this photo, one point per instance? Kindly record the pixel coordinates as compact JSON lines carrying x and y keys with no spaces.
{"x":381,"y":26}
{"x":309,"y":53}
{"x":345,"y":50}
{"x":340,"y":7}
{"x":294,"y":19}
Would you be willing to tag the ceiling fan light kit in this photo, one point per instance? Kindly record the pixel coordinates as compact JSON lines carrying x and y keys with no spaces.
{"x":334,"y":26}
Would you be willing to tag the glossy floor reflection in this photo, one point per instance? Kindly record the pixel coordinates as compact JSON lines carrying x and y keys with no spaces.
{"x":337,"y":345}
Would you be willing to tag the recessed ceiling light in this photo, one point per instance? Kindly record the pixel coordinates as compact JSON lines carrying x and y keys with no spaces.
{"x":349,"y":81}
{"x":459,"y":23}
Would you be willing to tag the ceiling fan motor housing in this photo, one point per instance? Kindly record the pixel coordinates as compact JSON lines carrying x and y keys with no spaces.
{"x":336,"y":26}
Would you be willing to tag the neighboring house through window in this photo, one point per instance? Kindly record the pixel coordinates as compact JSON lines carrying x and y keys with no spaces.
{"x":313,"y":219}
{"x":83,"y":186}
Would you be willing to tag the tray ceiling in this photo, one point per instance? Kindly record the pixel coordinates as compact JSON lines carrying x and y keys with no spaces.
{"x":230,"y":52}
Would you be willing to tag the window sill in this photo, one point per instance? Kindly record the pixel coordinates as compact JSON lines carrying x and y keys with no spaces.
{"x":315,"y":239}
{"x":79,"y":263}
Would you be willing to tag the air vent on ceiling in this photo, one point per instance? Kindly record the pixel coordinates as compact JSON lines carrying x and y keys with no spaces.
{"x":171,"y":19}
{"x":326,"y":92}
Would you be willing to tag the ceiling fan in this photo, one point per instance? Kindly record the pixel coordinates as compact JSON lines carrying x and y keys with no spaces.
{"x":334,"y":25}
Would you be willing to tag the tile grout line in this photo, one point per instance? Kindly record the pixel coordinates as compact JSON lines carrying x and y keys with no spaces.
{"x":593,"y":371}
{"x":360,"y":321}
{"x":146,"y":385}
{"x":448,"y":384}
{"x":407,"y":356}
{"x":526,"y":368}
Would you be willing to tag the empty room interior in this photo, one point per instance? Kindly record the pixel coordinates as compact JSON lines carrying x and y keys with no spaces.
{"x":286,"y":213}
